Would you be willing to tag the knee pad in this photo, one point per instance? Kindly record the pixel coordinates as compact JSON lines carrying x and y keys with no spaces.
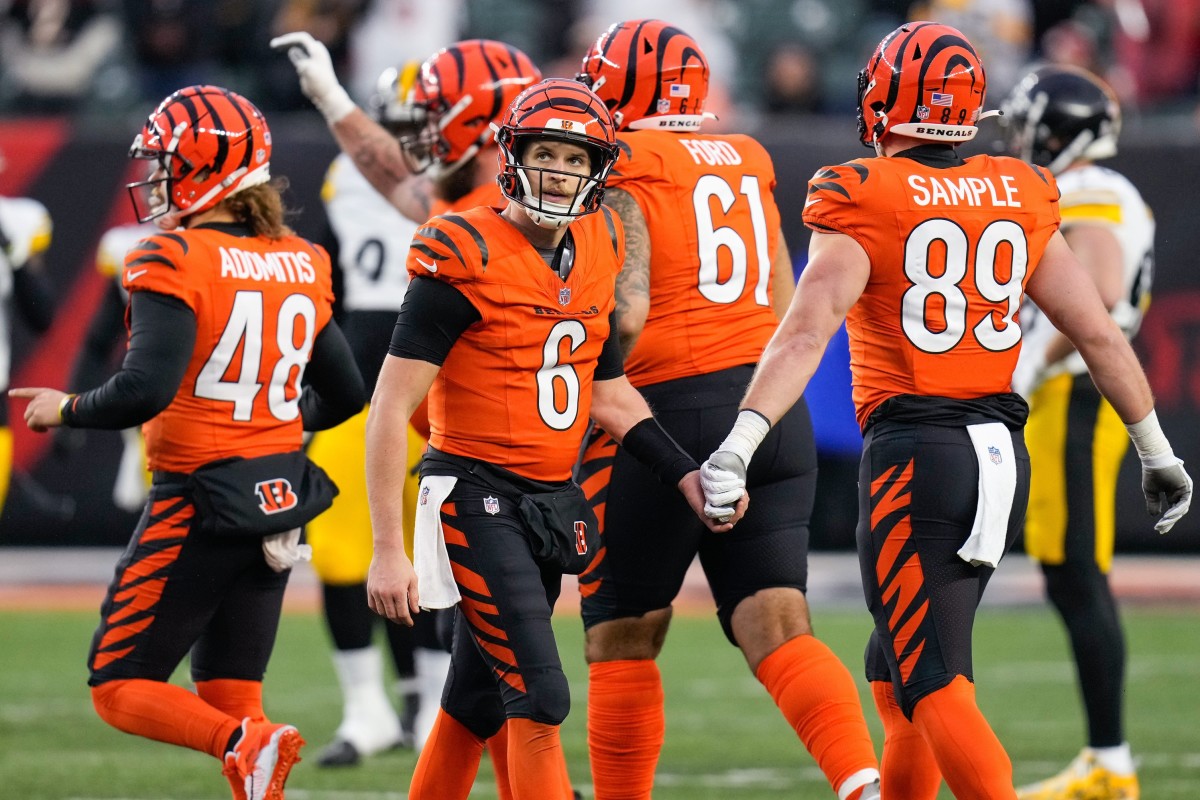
{"x":549,"y":696}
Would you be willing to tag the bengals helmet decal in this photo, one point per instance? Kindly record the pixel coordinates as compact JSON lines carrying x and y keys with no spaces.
{"x":460,"y":92}
{"x":925,"y":80}
{"x":650,"y":74}
{"x":566,"y":111}
{"x":208,"y":143}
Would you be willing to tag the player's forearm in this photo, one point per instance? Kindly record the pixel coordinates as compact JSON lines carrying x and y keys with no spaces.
{"x":374,"y":151}
{"x":783,"y":372}
{"x":1117,"y":373}
{"x":386,"y":470}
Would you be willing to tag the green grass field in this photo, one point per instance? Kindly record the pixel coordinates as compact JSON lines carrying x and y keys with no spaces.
{"x":724,"y":737}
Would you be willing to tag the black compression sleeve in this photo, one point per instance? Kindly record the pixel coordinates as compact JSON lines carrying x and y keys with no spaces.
{"x":433,"y":316}
{"x":107,"y":328}
{"x":612,"y":361}
{"x":162,"y":335}
{"x":334,"y":389}
{"x":654,"y":447}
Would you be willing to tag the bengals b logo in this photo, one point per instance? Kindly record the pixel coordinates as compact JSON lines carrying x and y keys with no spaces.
{"x":581,"y":538}
{"x":275,"y":495}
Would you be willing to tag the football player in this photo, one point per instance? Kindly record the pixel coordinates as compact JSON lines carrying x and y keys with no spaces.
{"x":927,"y":257}
{"x":1065,"y":119}
{"x":707,"y":276}
{"x":371,"y":240}
{"x":447,"y":164}
{"x":225,"y":316}
{"x":25,"y":233}
{"x":509,"y":327}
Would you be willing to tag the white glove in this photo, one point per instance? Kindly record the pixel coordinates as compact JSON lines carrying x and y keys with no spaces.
{"x":283,"y":550}
{"x":723,"y":479}
{"x":317,"y":78}
{"x":1172,"y":483}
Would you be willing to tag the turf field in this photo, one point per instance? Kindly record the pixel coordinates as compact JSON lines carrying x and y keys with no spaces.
{"x":724,"y":738}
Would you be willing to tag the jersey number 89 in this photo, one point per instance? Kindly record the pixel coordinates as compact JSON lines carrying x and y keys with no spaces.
{"x":995,"y":334}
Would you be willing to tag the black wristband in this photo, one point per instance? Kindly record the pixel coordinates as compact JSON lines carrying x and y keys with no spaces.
{"x":654,"y":447}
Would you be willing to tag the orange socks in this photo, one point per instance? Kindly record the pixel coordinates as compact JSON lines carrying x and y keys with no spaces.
{"x":448,"y":762}
{"x":971,"y":758}
{"x":238,"y":699}
{"x":909,"y":769}
{"x":626,"y":727}
{"x":166,"y":713}
{"x":537,"y":767}
{"x":819,"y":700}
{"x":497,"y":748}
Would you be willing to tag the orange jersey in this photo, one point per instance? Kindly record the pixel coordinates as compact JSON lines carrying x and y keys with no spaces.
{"x":485,"y":194}
{"x":951,"y":250}
{"x":516,"y":389}
{"x":710,"y":210}
{"x":259,"y":306}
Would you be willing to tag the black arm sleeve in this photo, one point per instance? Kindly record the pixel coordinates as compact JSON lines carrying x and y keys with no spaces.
{"x":334,"y":389}
{"x":612,"y":362}
{"x":106,"y":329}
{"x":162,"y":335}
{"x":34,"y":298}
{"x":433,"y":316}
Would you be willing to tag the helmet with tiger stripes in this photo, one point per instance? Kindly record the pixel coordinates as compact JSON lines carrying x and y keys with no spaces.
{"x":208,"y":143}
{"x":561,"y":110}
{"x":650,"y":74}
{"x":460,"y":92}
{"x":925,"y":80}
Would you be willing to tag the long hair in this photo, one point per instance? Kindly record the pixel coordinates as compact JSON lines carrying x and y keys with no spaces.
{"x":261,"y":208}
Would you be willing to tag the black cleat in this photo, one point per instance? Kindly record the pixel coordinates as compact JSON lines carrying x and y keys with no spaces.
{"x":339,"y":753}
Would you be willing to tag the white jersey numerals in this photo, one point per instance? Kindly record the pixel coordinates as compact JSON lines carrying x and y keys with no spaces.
{"x":244,"y":330}
{"x":711,"y":239}
{"x":996,"y":331}
{"x":558,"y":385}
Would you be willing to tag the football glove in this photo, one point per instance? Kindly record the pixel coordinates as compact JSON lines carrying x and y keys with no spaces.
{"x":723,"y":479}
{"x":318,"y":81}
{"x":1168,"y":491}
{"x":283,"y":550}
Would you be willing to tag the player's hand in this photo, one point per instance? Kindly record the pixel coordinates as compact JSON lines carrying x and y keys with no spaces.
{"x":392,"y":586}
{"x":723,"y":479}
{"x":42,"y":413}
{"x":694,"y":493}
{"x":1168,"y":491}
{"x":318,"y":80}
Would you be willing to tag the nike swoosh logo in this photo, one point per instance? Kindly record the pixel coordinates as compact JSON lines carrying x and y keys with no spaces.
{"x":812,"y":201}
{"x":427,"y":264}
{"x":133,"y":276}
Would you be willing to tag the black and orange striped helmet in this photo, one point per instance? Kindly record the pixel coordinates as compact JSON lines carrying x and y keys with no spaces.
{"x":461,"y":90}
{"x":208,"y":143}
{"x":925,"y":80}
{"x":650,"y":74}
{"x":561,"y":110}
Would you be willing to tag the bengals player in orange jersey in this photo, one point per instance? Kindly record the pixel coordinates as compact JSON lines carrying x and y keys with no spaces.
{"x":447,"y":164}
{"x":226,"y":315}
{"x":707,"y":276}
{"x":508,"y":326}
{"x":927,"y":256}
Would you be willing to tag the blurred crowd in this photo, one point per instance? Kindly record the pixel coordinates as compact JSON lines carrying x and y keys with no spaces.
{"x":774,"y":56}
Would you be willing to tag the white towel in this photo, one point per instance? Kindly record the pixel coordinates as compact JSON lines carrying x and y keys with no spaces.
{"x":997,"y":486}
{"x":435,"y":579}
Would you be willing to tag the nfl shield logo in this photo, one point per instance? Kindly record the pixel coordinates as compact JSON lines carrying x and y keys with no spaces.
{"x":664,"y":105}
{"x":424,"y":495}
{"x":564,"y":295}
{"x":491,"y":505}
{"x":994,"y":454}
{"x":922,"y":112}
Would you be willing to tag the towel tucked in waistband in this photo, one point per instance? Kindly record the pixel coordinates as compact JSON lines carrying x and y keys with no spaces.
{"x":997,"y":486}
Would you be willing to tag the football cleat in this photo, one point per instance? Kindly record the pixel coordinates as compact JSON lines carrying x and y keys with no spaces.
{"x":1083,"y":779}
{"x":258,"y":765}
